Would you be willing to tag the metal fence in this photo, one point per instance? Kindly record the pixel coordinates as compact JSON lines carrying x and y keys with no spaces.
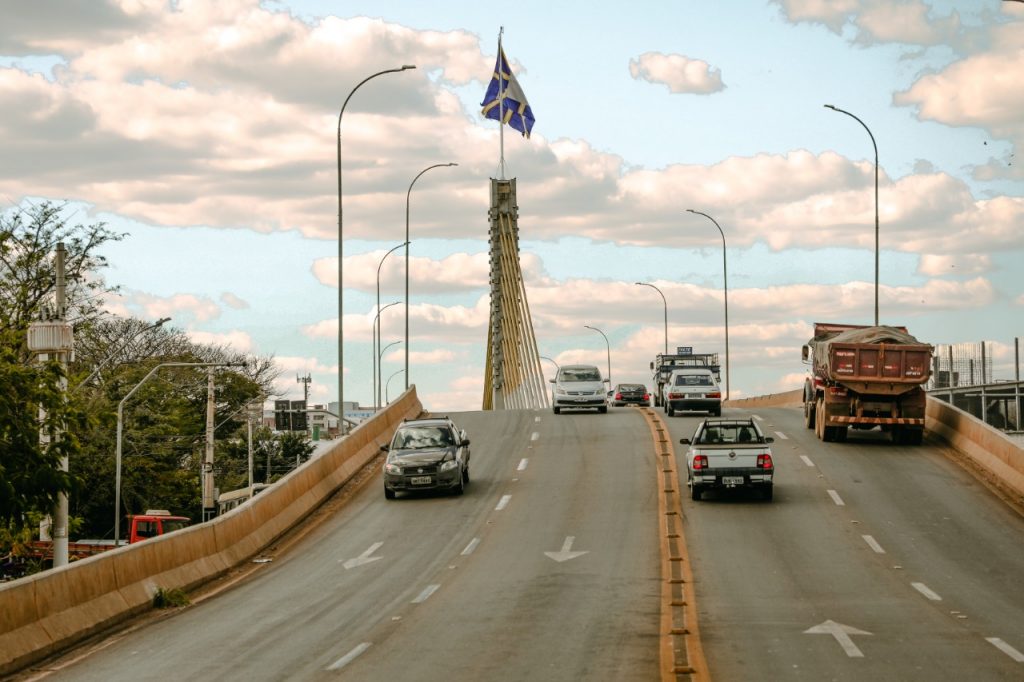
{"x":963,"y":374}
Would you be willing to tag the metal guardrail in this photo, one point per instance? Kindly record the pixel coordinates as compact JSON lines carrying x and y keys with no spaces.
{"x":999,"y":404}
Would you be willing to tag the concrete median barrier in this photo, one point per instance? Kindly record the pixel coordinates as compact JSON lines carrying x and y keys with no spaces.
{"x":48,"y":612}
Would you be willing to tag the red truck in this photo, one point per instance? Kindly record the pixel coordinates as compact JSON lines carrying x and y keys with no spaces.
{"x":862,"y":377}
{"x":140,"y":527}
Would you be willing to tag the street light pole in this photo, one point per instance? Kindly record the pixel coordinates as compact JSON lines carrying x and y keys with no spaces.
{"x":341,"y":286}
{"x":376,"y":329}
{"x":646,"y":284}
{"x":408,"y":194}
{"x":873,"y":144}
{"x":124,"y":345}
{"x":609,"y":347}
{"x":725,"y":283}
{"x":387,"y":386}
{"x":380,"y":362}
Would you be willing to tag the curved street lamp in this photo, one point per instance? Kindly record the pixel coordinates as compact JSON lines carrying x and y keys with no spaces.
{"x":375,"y":326}
{"x":609,"y":347}
{"x":376,"y":329}
{"x":725,"y":282}
{"x":646,"y":284}
{"x":387,"y":385}
{"x":380,"y":362}
{"x":158,"y":323}
{"x":843,"y":111}
{"x":341,"y":288}
{"x":408,"y":194}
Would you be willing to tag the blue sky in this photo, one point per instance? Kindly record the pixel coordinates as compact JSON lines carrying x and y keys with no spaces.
{"x":206,"y":132}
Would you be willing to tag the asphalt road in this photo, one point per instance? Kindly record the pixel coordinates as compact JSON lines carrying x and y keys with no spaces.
{"x":874,"y":562}
{"x":546,"y":569}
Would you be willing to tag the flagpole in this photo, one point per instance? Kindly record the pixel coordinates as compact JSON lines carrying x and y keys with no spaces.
{"x":501,"y":101}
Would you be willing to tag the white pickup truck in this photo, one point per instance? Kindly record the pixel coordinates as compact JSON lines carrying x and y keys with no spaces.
{"x":729,"y":453}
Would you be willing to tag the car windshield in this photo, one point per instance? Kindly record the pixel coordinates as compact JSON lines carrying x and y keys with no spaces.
{"x":421,"y":437}
{"x":728,"y":433}
{"x":580,"y":374}
{"x":693,"y":380}
{"x":630,"y":387}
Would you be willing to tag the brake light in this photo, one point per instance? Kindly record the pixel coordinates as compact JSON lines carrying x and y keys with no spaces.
{"x":716,"y":394}
{"x":837,"y":390}
{"x":701,"y":462}
{"x":618,"y":396}
{"x":765,"y":462}
{"x":647,"y":396}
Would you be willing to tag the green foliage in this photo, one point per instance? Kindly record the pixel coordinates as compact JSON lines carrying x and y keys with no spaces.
{"x":170,"y":598}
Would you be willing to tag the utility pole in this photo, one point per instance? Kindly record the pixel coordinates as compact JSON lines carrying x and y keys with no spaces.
{"x":209,"y":503}
{"x":55,"y":338}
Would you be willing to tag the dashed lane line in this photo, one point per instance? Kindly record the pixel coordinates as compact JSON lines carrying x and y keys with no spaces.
{"x":522,"y":464}
{"x":835,"y":498}
{"x":503,"y":502}
{"x":349,"y":657}
{"x":873,"y":544}
{"x":781,"y":435}
{"x":926,"y":591}
{"x":1006,"y":649}
{"x":425,"y":594}
{"x":807,"y":460}
{"x":471,"y":546}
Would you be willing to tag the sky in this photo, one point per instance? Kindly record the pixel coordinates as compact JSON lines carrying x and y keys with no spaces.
{"x":206,"y":132}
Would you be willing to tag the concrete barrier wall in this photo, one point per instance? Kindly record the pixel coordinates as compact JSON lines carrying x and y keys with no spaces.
{"x":50,"y":611}
{"x":985,"y":445}
{"x":771,"y":400}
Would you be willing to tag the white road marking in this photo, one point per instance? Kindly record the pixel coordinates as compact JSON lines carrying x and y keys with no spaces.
{"x":349,"y":657}
{"x":807,"y":460}
{"x":425,"y":594}
{"x":1006,"y":649}
{"x":926,"y":591}
{"x":363,"y":558}
{"x":471,"y":546}
{"x":873,"y":544}
{"x":536,"y":419}
{"x":503,"y":502}
{"x":835,"y":498}
{"x":565,"y":554}
{"x":842,"y":634}
{"x":781,"y":435}
{"x":534,"y":436}
{"x":522,"y":464}
{"x":757,"y":417}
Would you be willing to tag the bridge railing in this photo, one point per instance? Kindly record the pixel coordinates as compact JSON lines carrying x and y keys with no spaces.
{"x":45,"y":613}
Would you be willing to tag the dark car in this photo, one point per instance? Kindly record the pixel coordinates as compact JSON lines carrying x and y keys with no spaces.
{"x":629,"y":394}
{"x":426,"y":454}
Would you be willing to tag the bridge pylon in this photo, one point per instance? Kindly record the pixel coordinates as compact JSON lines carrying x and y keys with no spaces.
{"x":513,"y":378}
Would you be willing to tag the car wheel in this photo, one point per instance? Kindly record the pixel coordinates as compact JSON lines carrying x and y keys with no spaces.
{"x":465,"y":474}
{"x":602,"y":409}
{"x":460,"y":487}
{"x":766,"y":493}
{"x":695,"y":492}
{"x":669,"y":410}
{"x":809,"y":414}
{"x":557,"y":410}
{"x":717,"y":412}
{"x":389,"y":493}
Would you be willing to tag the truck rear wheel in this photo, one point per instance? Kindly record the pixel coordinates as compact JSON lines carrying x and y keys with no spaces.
{"x":809,"y":414}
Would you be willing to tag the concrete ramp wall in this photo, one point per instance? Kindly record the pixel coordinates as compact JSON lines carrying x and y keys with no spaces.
{"x":50,"y":611}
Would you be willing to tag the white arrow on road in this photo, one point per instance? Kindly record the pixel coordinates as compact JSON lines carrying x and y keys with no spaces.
{"x":842,"y":634}
{"x":365,"y":557}
{"x":565,"y":554}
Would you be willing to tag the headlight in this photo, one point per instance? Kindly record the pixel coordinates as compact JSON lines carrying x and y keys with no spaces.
{"x":559,"y":390}
{"x":393,"y":469}
{"x":448,"y":465}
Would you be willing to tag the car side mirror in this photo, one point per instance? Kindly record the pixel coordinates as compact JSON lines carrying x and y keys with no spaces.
{"x":684,"y":441}
{"x":465,"y":443}
{"x":769,"y":439}
{"x":805,"y":352}
{"x":606,"y":381}
{"x":385,"y":448}
{"x":551,"y":381}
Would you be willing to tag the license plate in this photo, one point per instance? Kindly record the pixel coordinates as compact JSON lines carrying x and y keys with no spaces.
{"x":419,"y":480}
{"x":732,"y":480}
{"x":581,"y":400}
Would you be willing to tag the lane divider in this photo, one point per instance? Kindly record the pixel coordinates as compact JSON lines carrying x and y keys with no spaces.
{"x":680,"y":652}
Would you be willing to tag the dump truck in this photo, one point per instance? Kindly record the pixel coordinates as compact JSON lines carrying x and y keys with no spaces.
{"x":865,"y":376}
{"x":683,"y":357}
{"x":141,"y":527}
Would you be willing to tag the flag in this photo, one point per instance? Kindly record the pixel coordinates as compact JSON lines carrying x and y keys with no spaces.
{"x":514,"y":107}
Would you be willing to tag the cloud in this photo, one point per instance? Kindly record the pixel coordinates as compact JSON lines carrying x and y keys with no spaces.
{"x":933,"y":265}
{"x":233,"y":301}
{"x":183,"y":309}
{"x":681,"y":74}
{"x":877,"y":21}
{"x":236,"y":340}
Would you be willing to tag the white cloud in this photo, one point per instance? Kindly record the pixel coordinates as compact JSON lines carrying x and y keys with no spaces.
{"x":183,"y":309}
{"x":238,"y":341}
{"x":233,"y":301}
{"x":877,"y":21}
{"x":681,"y":74}
{"x":933,"y":265}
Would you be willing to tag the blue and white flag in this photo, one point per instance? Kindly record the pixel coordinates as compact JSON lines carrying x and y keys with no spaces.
{"x":505,"y":100}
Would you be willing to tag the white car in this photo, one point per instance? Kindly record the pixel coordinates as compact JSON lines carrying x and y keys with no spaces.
{"x":579,"y":386}
{"x":692,"y":388}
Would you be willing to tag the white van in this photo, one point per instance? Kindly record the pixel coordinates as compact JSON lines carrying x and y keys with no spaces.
{"x":692,"y":388}
{"x":578,"y":386}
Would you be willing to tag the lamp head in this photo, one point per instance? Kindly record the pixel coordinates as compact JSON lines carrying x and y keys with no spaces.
{"x":406,"y":67}
{"x":830,"y":106}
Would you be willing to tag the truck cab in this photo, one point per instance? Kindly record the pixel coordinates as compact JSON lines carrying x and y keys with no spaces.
{"x":153,"y":523}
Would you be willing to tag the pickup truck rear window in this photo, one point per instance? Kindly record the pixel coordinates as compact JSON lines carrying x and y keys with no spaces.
{"x":728,"y":434}
{"x":693,"y":380}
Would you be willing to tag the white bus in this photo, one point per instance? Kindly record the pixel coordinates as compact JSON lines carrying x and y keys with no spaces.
{"x":229,"y":500}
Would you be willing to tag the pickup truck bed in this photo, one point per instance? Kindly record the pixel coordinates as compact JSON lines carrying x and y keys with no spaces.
{"x":729,"y":453}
